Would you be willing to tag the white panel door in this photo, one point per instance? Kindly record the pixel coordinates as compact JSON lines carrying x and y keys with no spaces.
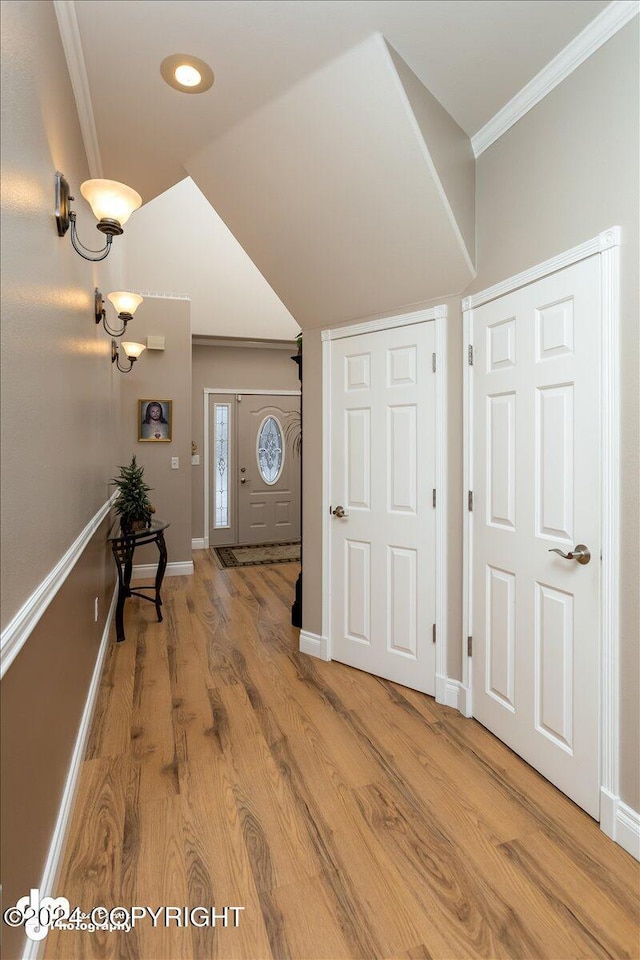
{"x":536,"y":469}
{"x":382,"y":476}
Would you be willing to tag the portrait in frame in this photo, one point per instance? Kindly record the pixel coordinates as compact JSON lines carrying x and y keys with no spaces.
{"x":154,"y":420}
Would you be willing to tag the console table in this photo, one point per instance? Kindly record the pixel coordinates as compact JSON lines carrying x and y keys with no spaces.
{"x":123,"y":547}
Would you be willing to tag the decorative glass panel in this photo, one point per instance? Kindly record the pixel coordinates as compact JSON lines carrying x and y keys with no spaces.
{"x":270,"y":450}
{"x":221,"y":465}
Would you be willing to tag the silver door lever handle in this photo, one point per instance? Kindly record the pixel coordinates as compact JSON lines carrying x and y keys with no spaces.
{"x":580,"y":553}
{"x":339,"y":513}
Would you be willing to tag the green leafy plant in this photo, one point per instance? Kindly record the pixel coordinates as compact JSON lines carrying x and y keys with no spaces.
{"x":132,"y":503}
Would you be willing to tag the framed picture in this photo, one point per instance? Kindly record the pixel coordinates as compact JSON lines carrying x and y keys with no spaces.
{"x":154,"y":420}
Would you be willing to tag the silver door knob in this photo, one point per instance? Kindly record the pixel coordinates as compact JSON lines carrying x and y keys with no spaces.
{"x":243,"y":479}
{"x":580,"y":553}
{"x":339,"y":513}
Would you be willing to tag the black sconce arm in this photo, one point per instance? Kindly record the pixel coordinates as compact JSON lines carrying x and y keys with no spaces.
{"x":101,"y":315}
{"x":93,"y":255}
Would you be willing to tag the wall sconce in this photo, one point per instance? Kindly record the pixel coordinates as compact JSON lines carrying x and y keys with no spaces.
{"x":132,"y":352}
{"x":126,"y":305}
{"x":112,"y":204}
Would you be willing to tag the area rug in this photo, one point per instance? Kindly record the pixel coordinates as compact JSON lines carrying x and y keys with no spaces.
{"x":259,"y":553}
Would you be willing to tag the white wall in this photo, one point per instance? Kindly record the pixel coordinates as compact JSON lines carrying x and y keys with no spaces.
{"x":177,"y":243}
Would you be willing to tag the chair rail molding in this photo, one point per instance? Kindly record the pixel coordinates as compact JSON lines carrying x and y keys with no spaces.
{"x":17,"y":632}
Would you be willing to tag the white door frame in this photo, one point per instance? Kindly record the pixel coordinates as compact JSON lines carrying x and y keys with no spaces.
{"x":207,"y":391}
{"x":606,"y":246}
{"x":321,"y":646}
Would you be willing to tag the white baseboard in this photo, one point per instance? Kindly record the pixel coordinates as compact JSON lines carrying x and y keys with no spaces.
{"x":627,"y":829}
{"x":53,"y":862}
{"x":198,"y":543}
{"x":608,"y":804}
{"x":144,"y":571}
{"x":313,"y":645}
{"x":441,"y":689}
{"x":454,"y":694}
{"x":620,"y":822}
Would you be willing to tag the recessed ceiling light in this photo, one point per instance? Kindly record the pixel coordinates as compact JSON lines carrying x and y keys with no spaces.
{"x":187,"y":76}
{"x":186,"y":73}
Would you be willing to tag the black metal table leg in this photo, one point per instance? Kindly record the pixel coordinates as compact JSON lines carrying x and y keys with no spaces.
{"x":162,"y":566}
{"x":123,"y":548}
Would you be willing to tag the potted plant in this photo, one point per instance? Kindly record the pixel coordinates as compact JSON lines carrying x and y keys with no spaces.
{"x":132,"y":503}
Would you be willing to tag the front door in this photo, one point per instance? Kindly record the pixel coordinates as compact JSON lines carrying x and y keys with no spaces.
{"x":268,"y":469}
{"x":536,"y":469}
{"x":383,"y":518}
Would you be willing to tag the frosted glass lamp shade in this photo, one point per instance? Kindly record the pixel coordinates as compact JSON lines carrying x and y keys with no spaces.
{"x":132,"y":350}
{"x":125,"y":303}
{"x":110,"y":200}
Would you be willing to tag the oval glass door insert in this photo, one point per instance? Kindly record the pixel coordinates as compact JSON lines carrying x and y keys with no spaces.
{"x":270,"y":450}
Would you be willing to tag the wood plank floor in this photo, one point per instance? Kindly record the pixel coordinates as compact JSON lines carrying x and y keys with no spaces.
{"x":350,"y":817}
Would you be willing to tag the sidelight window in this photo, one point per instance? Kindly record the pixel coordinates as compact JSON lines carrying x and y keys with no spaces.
{"x":221,"y":465}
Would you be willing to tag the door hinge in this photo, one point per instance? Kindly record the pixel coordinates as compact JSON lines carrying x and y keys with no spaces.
{"x":469,"y":646}
{"x":470,"y":500}
{"x":433,"y":362}
{"x":470,"y":354}
{"x":433,"y":633}
{"x":434,"y":496}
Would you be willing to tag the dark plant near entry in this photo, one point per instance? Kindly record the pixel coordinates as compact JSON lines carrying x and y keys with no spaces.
{"x":293,"y":431}
{"x":132,"y":503}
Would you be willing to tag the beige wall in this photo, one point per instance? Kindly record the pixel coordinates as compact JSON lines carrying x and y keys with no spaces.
{"x":60,"y":426}
{"x":231,"y":367}
{"x":162,"y":375}
{"x":563,"y":173}
{"x":450,"y":149}
{"x":42,"y":700}
{"x":60,"y":396}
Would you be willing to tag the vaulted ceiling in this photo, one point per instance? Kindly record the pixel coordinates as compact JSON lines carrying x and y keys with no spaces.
{"x":335,"y":143}
{"x":473,"y":55}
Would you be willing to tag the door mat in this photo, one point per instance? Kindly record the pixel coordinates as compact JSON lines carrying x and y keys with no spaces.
{"x":259,"y":553}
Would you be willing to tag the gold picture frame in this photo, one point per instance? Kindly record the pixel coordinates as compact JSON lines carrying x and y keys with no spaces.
{"x":151,"y":427}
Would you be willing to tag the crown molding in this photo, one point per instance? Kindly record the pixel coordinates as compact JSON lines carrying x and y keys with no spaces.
{"x":72,"y":45}
{"x":601,"y":29}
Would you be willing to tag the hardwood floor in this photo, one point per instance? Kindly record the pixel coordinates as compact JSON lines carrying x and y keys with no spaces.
{"x":348,"y":816}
